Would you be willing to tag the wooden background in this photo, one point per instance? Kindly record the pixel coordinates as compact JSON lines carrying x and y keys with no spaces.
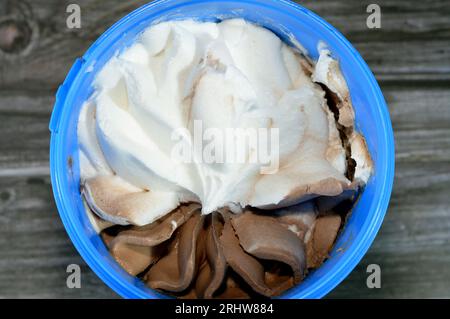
{"x":410,"y":56}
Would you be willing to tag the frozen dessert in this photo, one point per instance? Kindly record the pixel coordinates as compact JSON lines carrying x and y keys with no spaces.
{"x":217,"y":161}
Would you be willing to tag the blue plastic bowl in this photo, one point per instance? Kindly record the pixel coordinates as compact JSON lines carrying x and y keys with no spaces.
{"x":282,"y":17}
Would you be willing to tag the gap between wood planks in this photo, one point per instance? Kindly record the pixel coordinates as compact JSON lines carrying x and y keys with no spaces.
{"x":25,"y":171}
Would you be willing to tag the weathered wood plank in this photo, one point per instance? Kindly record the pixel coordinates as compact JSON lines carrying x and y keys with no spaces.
{"x":410,"y":54}
{"x":34,"y":246}
{"x":400,"y":19}
{"x":404,"y":27}
{"x":404,"y":275}
{"x":24,"y":134}
{"x":412,"y":247}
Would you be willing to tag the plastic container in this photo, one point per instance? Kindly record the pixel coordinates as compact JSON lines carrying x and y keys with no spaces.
{"x":282,"y":17}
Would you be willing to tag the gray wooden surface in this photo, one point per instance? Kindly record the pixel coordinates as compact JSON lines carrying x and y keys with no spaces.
{"x":410,"y":56}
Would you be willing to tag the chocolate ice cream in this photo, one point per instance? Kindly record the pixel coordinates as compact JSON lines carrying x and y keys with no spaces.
{"x":200,"y":229}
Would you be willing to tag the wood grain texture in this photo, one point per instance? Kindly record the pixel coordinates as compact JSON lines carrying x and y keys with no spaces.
{"x":34,"y":247}
{"x":410,"y":55}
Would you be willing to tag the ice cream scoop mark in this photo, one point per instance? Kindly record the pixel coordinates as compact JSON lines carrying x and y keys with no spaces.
{"x":322,"y":239}
{"x":283,"y":246}
{"x":176,"y":271}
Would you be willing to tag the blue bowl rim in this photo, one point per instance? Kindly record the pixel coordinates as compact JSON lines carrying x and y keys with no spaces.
{"x":57,"y":163}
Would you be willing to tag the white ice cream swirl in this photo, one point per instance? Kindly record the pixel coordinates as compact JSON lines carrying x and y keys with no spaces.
{"x":227,"y":75}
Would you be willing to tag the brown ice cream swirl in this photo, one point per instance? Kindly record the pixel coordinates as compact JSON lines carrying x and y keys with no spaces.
{"x":225,"y":255}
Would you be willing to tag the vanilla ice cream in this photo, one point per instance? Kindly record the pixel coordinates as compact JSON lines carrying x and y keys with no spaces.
{"x":232,"y":74}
